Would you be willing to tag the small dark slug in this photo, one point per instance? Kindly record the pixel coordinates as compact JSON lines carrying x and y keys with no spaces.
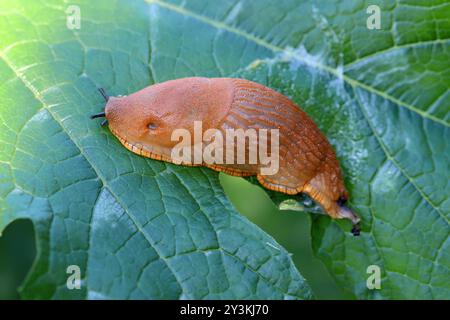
{"x":144,"y":122}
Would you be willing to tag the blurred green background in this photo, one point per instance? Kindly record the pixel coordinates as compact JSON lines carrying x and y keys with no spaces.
{"x":290,"y":229}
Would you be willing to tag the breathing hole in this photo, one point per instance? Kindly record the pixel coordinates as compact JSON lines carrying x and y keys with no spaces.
{"x":152,"y":126}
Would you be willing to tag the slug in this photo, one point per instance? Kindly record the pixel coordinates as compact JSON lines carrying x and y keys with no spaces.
{"x":145,"y":120}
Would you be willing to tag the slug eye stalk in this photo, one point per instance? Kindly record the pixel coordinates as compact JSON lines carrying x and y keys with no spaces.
{"x":102,"y":114}
{"x":104,"y":94}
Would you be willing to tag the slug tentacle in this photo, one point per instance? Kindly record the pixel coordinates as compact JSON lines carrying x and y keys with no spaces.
{"x":101,"y":114}
{"x":103,"y":93}
{"x":145,"y":121}
{"x":98,"y":115}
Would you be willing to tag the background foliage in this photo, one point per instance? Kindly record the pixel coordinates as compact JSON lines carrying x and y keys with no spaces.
{"x":145,"y":229}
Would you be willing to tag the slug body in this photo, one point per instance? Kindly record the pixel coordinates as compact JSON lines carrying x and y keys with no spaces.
{"x":144,"y":122}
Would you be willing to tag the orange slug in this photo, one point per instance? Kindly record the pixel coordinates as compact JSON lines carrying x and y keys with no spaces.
{"x":145,"y":120}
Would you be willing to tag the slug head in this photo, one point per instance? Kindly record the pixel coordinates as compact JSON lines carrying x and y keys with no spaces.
{"x":145,"y":120}
{"x":327,"y":188}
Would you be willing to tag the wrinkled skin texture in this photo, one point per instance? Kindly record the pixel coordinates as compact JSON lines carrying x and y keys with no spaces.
{"x":144,"y":122}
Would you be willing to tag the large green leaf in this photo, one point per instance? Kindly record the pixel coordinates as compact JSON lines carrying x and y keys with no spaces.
{"x":381,"y":96}
{"x":137,"y":228}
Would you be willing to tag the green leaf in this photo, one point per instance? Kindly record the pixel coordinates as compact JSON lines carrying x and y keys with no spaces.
{"x":381,"y":97}
{"x":136,"y":228}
